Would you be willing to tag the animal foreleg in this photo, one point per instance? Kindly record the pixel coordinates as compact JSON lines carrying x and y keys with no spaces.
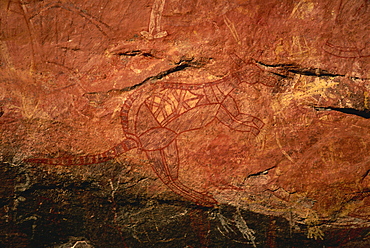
{"x":240,"y":122}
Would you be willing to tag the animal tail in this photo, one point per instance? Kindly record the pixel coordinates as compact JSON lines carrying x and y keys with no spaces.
{"x":115,"y":151}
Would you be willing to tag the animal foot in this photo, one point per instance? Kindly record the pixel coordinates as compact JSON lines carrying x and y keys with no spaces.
{"x":201,"y":199}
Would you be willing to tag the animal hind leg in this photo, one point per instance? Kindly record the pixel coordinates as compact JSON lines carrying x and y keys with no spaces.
{"x":165,"y":163}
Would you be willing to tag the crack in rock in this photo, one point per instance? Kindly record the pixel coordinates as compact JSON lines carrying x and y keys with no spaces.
{"x":351,"y":111}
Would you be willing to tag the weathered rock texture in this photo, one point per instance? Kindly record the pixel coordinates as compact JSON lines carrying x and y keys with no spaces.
{"x":185,"y":123}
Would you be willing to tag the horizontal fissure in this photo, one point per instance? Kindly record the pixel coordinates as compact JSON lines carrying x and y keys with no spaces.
{"x":351,"y":111}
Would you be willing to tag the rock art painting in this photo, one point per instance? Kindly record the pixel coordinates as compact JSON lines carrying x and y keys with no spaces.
{"x":153,"y":117}
{"x":184,"y":123}
{"x":341,"y":44}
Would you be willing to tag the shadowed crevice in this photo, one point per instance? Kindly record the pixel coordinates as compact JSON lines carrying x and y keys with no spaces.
{"x":352,"y":111}
{"x":284,"y":69}
{"x":181,"y":65}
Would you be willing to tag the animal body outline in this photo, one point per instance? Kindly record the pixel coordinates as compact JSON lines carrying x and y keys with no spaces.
{"x":154,"y":115}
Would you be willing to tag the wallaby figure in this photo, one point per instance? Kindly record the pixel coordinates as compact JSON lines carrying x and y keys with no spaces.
{"x":155,"y":114}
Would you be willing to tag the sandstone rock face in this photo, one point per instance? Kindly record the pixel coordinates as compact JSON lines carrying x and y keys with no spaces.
{"x":185,"y":123}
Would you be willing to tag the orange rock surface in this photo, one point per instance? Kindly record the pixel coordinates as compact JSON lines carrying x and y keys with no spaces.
{"x":261,"y":105}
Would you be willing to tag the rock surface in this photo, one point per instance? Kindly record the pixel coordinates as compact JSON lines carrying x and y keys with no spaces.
{"x":185,"y":123}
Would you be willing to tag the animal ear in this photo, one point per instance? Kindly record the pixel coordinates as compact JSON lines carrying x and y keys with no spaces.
{"x":240,"y":62}
{"x":237,"y":60}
